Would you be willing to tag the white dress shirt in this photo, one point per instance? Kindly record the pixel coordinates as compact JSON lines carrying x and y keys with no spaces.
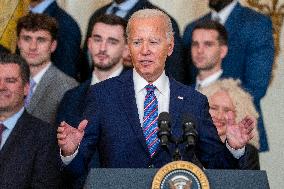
{"x":208,"y":80}
{"x":39,"y":76}
{"x":117,"y":72}
{"x":224,"y":13}
{"x":40,"y":8}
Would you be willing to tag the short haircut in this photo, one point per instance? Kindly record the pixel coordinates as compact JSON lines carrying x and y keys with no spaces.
{"x":112,"y":20}
{"x":242,"y":100}
{"x":36,"y":22}
{"x":152,"y":13}
{"x":213,"y":25}
{"x":17,"y":59}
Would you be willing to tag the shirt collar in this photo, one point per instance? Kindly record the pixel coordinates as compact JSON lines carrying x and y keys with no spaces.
{"x":161,"y":83}
{"x":40,"y":8}
{"x":225,"y":12}
{"x":11,"y":121}
{"x":40,"y":74}
{"x":117,"y":72}
{"x":209,"y":80}
{"x":125,"y":6}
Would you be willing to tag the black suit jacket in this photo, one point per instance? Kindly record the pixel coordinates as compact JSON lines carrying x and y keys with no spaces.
{"x":67,"y":53}
{"x":174,"y":64}
{"x":30,"y":158}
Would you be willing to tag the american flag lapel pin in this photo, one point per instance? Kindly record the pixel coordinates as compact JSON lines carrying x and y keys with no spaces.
{"x":180,"y":97}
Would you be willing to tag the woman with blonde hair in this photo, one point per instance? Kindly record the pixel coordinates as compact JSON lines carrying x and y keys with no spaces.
{"x":227,"y":96}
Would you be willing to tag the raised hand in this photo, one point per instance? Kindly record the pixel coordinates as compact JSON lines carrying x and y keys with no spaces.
{"x":238,"y":135}
{"x":69,"y":137}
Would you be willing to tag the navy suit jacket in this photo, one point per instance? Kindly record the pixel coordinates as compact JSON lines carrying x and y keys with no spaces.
{"x":175,"y":66}
{"x":29,"y":158}
{"x":67,"y":53}
{"x":115,"y":139}
{"x":250,"y":56}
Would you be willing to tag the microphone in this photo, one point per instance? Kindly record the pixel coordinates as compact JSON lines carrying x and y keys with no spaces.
{"x":164,"y":128}
{"x":189,"y":132}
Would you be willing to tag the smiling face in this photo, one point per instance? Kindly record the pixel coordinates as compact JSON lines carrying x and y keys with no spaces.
{"x":149,"y":46}
{"x":12,"y":89}
{"x":220,"y":104}
{"x":107,"y":45}
{"x":36,"y":47}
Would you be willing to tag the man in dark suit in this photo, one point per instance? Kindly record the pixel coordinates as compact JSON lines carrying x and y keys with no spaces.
{"x":125,"y":8}
{"x":36,"y":42}
{"x":66,"y":55}
{"x":251,"y":50}
{"x":28,"y":148}
{"x":107,"y":46}
{"x":122,"y":112}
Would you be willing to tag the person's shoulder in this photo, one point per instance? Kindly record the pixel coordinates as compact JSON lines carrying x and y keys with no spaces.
{"x":33,"y":123}
{"x":62,"y":77}
{"x":250,"y":15}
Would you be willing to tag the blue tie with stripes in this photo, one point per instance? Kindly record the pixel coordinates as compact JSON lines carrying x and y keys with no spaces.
{"x":150,"y":120}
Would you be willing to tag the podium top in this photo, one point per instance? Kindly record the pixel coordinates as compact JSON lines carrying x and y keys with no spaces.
{"x":142,"y":178}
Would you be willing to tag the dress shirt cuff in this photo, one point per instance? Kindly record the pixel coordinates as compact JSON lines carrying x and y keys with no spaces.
{"x":67,"y":159}
{"x":236,"y":153}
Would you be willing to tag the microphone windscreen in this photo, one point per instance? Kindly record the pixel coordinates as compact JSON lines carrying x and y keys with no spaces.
{"x":188,"y":118}
{"x":164,"y":116}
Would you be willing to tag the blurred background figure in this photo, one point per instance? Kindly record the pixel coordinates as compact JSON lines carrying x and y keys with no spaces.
{"x":226,"y":96}
{"x":125,"y":8}
{"x":66,"y":56}
{"x":36,"y":42}
{"x":251,"y":50}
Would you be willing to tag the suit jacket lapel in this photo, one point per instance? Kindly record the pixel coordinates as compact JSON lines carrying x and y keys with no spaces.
{"x":15,"y":137}
{"x":128,"y":105}
{"x":176,"y":103}
{"x":45,"y":81}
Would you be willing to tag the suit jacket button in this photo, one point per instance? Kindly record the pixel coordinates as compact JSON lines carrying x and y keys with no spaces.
{"x":151,"y":166}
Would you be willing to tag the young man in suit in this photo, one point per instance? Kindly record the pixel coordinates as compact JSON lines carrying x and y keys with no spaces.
{"x":251,"y":49}
{"x":125,"y":8}
{"x":120,"y":134}
{"x":208,"y":49}
{"x":36,"y":42}
{"x":28,"y":148}
{"x":66,"y":55}
{"x":107,"y":46}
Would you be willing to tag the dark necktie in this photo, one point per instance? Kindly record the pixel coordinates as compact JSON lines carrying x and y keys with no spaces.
{"x":114,"y":10}
{"x":150,"y":120}
{"x":2,"y":128}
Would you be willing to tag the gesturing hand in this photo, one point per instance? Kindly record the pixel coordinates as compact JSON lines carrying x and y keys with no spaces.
{"x":239,"y":134}
{"x":69,"y":137}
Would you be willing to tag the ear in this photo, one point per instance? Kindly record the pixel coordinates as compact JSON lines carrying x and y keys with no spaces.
{"x":171,"y":46}
{"x":53,"y":45}
{"x":224,"y":51}
{"x":126,"y":51}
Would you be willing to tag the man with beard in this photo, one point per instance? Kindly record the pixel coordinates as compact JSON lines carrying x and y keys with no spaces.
{"x":37,"y":41}
{"x":124,"y":9}
{"x":251,"y":50}
{"x":107,"y":47}
{"x":28,"y":148}
{"x":208,"y":49}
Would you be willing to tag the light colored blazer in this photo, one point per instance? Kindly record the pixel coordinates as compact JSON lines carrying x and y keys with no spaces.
{"x":49,"y":93}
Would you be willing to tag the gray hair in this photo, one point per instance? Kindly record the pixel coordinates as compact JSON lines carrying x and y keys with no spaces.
{"x":150,"y":13}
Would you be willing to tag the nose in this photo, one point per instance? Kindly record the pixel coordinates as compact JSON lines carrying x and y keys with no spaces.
{"x":103,"y":46}
{"x":2,"y":84}
{"x":200,"y":49}
{"x":220,"y":115}
{"x":145,"y":49}
{"x":33,"y":44}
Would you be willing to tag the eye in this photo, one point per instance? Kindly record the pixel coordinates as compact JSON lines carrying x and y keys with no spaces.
{"x":10,"y":80}
{"x":41,"y":40}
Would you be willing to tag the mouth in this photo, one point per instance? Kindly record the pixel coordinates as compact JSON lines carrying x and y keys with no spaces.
{"x":146,"y":62}
{"x":32,"y":55}
{"x":102,"y":57}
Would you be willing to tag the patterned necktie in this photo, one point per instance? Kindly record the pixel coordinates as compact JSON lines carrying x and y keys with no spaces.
{"x":30,"y":94}
{"x":150,"y":120}
{"x":2,"y":128}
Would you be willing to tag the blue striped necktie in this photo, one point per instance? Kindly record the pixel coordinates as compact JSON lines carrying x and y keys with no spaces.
{"x":150,"y":120}
{"x":30,"y":94}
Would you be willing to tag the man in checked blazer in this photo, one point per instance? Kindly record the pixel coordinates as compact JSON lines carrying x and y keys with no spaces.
{"x":36,"y":41}
{"x":114,"y":136}
{"x":28,"y":149}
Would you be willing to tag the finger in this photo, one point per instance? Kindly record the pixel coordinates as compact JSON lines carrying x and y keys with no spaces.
{"x":82,"y":125}
{"x":61,"y":136}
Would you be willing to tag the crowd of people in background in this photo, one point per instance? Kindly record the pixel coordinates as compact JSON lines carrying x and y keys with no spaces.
{"x":66,"y":109}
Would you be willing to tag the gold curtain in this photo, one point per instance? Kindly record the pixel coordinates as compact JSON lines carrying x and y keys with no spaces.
{"x":10,"y":12}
